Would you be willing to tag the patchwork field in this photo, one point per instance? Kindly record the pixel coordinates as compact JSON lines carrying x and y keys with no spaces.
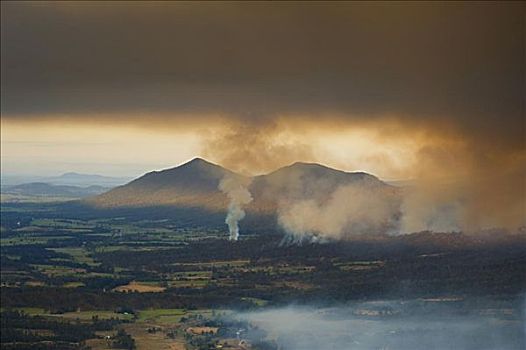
{"x":158,"y":284}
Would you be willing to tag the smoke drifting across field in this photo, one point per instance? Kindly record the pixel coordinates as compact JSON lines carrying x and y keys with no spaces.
{"x":394,"y":325}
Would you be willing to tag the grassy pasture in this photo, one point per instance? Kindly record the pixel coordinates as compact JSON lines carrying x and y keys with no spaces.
{"x":145,"y":340}
{"x":194,"y":283}
{"x":101,"y":314}
{"x":58,"y":271}
{"x":141,"y":287}
{"x":222,"y":263}
{"x":359,"y":265}
{"x":26,"y":240}
{"x":33,"y":311}
{"x":162,"y":315}
{"x":78,"y":255}
{"x":73,"y":285}
{"x":54,"y":270}
{"x":58,"y":223}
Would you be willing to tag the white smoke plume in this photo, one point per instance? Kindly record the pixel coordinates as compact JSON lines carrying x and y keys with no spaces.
{"x":351,"y":209}
{"x":238,"y":194}
{"x":359,"y":209}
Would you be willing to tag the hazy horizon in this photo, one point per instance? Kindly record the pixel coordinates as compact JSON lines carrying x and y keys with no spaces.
{"x":161,"y":168}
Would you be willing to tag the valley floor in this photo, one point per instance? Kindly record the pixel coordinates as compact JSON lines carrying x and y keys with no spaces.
{"x":72,"y":282}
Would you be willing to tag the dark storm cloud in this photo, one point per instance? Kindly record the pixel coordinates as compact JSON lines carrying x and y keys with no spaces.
{"x":464,"y":61}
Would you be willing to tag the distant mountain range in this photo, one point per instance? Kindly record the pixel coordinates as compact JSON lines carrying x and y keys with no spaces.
{"x":76,"y":179}
{"x":40,"y":189}
{"x":195,"y":185}
{"x":64,"y":187}
{"x":67,"y":179}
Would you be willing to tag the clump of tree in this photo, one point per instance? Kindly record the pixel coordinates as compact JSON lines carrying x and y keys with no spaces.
{"x":19,"y":330}
{"x":123,"y":340}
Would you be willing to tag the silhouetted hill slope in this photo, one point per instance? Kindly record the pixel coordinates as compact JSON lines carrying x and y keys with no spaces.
{"x":301,"y":181}
{"x":195,"y":185}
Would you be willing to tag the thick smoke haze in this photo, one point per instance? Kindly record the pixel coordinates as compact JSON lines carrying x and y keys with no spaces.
{"x":437,"y":88}
{"x":460,"y":180}
{"x":238,"y":195}
{"x":353,"y":209}
{"x":317,"y":208}
{"x":257,"y":148}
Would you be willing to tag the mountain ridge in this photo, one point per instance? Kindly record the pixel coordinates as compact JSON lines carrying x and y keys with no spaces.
{"x":195,"y":184}
{"x":66,"y":179}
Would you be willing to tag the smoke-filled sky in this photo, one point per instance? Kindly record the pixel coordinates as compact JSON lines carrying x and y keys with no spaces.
{"x":401,"y":90}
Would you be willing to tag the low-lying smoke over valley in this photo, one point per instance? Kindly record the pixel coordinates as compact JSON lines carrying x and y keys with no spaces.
{"x":394,"y":324}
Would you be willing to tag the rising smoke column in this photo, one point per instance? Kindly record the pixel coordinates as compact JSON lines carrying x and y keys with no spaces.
{"x":351,"y":209}
{"x":238,"y":194}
